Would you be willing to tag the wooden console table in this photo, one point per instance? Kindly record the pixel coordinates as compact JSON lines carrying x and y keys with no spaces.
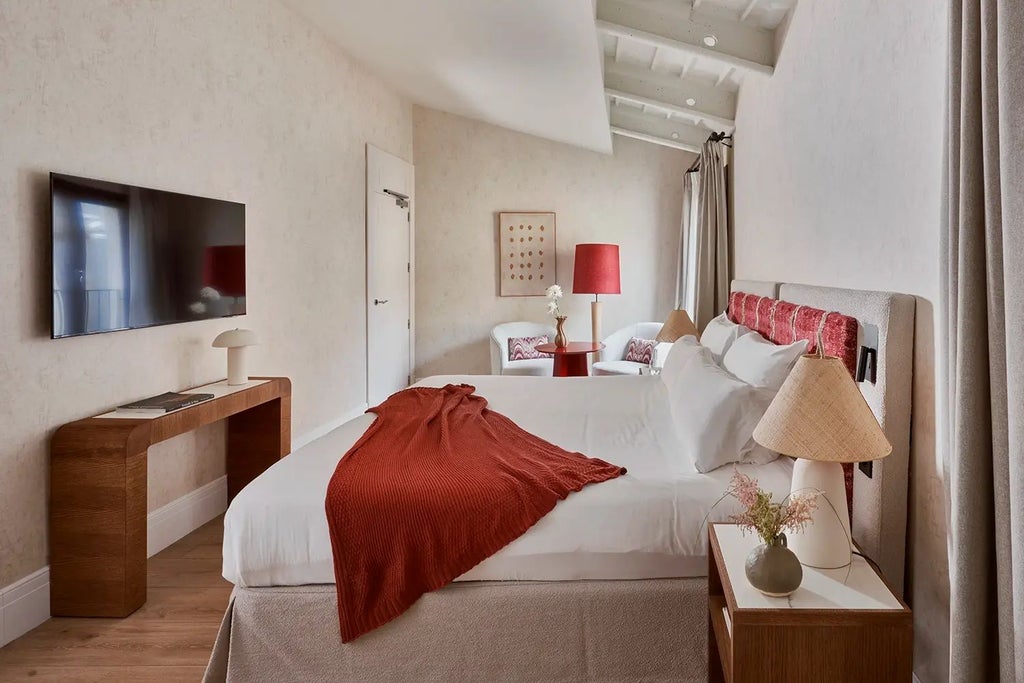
{"x":98,"y":494}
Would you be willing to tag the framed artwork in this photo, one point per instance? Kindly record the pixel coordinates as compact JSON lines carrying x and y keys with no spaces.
{"x":526,"y":248}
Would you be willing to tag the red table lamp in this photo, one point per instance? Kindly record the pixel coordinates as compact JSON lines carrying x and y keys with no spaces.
{"x":596,"y":272}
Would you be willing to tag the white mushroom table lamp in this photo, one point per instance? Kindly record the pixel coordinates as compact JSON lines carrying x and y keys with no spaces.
{"x":235,"y":342}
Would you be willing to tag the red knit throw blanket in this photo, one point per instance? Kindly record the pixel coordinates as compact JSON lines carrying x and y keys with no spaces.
{"x":436,"y":485}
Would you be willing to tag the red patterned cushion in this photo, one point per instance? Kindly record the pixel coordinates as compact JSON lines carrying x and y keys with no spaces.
{"x":783,"y":322}
{"x":524,"y":348}
{"x":640,"y":350}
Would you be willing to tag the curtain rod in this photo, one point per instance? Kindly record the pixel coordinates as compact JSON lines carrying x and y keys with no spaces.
{"x":714,"y":137}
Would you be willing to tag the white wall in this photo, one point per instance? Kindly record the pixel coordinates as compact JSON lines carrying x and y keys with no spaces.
{"x":838,"y":182}
{"x":241,"y":100}
{"x":467,"y":172}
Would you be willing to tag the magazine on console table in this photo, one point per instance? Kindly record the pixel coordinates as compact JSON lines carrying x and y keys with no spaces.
{"x":164,"y":403}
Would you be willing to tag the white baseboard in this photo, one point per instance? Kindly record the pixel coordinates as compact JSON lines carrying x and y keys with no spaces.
{"x":25,"y":603}
{"x":315,"y":434}
{"x":181,"y":517}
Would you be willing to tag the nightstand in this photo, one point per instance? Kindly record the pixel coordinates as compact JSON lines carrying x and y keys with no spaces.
{"x":840,"y":625}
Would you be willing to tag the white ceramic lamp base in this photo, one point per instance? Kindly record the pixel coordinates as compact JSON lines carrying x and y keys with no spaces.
{"x":237,"y":372}
{"x":825,"y":542}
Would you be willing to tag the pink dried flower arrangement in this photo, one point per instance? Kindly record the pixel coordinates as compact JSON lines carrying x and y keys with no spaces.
{"x":764,"y":517}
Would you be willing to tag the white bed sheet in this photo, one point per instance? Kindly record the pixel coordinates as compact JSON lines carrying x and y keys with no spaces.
{"x":645,"y":524}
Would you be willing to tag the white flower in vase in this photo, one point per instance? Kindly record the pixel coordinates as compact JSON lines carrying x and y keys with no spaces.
{"x":553,"y":293}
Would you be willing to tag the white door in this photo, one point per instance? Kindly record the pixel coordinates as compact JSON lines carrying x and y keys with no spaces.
{"x":389,"y":274}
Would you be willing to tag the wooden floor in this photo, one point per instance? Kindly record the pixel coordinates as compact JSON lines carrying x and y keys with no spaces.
{"x":168,"y":640}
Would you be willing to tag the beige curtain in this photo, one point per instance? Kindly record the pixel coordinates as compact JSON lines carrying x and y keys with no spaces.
{"x":713,"y":270}
{"x":984,"y":285}
{"x":686,"y":266}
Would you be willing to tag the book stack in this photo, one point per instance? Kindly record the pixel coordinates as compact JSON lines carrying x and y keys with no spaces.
{"x":164,"y":403}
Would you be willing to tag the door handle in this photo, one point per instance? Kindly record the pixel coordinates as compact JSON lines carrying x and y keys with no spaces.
{"x":378,"y":302}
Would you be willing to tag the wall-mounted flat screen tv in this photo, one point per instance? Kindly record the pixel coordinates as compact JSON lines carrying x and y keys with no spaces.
{"x":127,"y":257}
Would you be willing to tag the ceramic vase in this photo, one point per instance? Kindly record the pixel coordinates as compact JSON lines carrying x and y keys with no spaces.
{"x":560,"y":340}
{"x":773,"y":568}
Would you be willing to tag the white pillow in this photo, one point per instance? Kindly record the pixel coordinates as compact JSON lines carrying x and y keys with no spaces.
{"x":759,"y":455}
{"x":720,"y":334}
{"x":661,"y":351}
{"x":679,"y":353}
{"x":760,"y":363}
{"x":714,"y":413}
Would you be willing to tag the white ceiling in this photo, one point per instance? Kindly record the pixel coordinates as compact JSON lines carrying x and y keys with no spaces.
{"x":648,"y":71}
{"x":529,"y":65}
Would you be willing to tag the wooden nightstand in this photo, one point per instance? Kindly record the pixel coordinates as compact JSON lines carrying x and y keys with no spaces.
{"x":840,"y":625}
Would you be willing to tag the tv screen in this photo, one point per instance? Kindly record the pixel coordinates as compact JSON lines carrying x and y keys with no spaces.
{"x":127,"y":257}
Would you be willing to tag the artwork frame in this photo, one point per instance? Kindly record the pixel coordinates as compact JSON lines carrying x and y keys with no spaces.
{"x":527,"y":256}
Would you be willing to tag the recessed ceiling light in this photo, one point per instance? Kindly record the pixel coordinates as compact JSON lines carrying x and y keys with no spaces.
{"x":710,"y":40}
{"x":690,"y":101}
{"x":675,"y":136}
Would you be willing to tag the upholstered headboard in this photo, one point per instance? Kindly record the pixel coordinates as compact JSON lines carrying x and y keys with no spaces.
{"x":759,"y":287}
{"x":886,"y":324}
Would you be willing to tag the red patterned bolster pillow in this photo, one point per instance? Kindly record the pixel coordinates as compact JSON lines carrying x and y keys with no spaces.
{"x":640,"y":350}
{"x":525,"y":348}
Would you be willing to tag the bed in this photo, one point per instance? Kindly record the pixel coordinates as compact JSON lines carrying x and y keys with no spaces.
{"x":608,"y":586}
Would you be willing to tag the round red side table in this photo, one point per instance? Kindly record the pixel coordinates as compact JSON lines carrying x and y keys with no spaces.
{"x":571,"y":360}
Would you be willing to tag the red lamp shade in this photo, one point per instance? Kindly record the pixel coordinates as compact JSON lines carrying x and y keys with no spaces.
{"x":596,"y":270}
{"x":224,"y":269}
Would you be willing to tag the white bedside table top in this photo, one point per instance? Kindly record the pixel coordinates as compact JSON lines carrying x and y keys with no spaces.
{"x":856,"y":587}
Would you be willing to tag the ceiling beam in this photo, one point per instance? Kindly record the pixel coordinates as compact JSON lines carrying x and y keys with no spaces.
{"x":660,"y":24}
{"x":626,"y":132}
{"x":670,"y":93}
{"x":683,"y":111}
{"x":635,"y":124}
{"x":688,"y":114}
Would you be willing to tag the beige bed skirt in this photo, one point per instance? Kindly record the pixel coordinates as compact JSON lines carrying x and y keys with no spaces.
{"x":645,"y":630}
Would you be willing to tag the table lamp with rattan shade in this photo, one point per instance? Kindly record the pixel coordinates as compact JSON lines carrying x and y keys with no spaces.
{"x":820,"y":418}
{"x":677,"y":325}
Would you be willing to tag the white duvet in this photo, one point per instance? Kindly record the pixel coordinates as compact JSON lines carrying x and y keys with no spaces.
{"x":645,"y":524}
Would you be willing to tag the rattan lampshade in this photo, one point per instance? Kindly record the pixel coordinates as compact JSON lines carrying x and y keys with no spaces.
{"x":820,"y":414}
{"x":678,"y":325}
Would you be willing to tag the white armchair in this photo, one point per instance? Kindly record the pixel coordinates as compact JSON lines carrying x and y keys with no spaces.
{"x":501,"y":365}
{"x":613,"y":355}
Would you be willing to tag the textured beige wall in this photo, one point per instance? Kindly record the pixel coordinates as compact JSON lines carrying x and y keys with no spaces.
{"x":838,"y":182}
{"x":241,"y":100}
{"x":468,"y":171}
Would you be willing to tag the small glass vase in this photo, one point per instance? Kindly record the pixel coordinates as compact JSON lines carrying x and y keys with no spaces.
{"x":774,"y":569}
{"x":560,"y":339}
